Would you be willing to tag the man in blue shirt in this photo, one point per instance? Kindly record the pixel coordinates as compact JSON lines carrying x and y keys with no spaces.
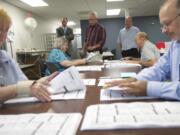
{"x":152,"y":81}
{"x":126,"y":39}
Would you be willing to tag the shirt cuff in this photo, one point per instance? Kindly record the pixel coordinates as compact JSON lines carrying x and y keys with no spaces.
{"x":154,"y":89}
{"x":23,"y":88}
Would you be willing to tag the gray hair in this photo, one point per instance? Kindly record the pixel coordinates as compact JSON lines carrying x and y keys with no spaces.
{"x":142,"y":35}
{"x":93,"y":13}
{"x":59,"y":42}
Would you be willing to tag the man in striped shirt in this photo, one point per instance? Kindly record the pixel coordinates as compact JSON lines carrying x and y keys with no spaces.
{"x":95,"y":35}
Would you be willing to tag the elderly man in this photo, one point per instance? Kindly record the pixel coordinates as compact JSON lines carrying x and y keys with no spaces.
{"x":149,"y":52}
{"x":66,"y":32}
{"x":152,"y":81}
{"x":95,"y":35}
{"x":126,"y":39}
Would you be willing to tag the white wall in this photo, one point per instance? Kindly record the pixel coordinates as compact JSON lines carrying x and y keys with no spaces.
{"x":22,"y":37}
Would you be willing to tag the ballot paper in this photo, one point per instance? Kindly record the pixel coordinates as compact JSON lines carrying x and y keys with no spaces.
{"x":104,"y":80}
{"x":121,"y":64}
{"x":67,"y":81}
{"x":135,"y":115}
{"x":116,"y":93}
{"x":89,"y":68}
{"x":128,"y":74}
{"x":112,"y":61}
{"x":40,"y":124}
{"x":62,"y":96}
{"x":89,"y":82}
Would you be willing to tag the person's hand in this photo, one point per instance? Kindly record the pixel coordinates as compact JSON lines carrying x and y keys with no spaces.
{"x":40,"y":91}
{"x":136,"y":87}
{"x":90,"y":48}
{"x":131,"y":85}
{"x":46,"y":79}
{"x":119,"y":82}
{"x":39,"y":88}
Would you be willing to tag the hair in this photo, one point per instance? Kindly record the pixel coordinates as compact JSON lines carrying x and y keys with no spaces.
{"x":59,"y":42}
{"x":5,"y":20}
{"x":142,"y":35}
{"x":94,"y":13}
{"x":64,"y":18}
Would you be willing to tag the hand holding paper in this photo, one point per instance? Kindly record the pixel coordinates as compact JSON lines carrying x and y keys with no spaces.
{"x":66,"y":81}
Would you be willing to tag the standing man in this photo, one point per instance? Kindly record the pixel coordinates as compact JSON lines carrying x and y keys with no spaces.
{"x":152,"y":81}
{"x":95,"y":35}
{"x":66,"y":32}
{"x":126,"y":39}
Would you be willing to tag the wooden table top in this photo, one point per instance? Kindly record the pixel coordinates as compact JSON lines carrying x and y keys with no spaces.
{"x":92,"y":97}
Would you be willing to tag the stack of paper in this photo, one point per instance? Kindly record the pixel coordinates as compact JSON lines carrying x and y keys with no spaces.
{"x":89,"y":82}
{"x":132,"y":115}
{"x":104,"y":80}
{"x":62,"y":96}
{"x":116,"y":65}
{"x":89,"y":68}
{"x":116,"y":93}
{"x":67,"y":81}
{"x":112,"y":61}
{"x":67,"y":85}
{"x":40,"y":124}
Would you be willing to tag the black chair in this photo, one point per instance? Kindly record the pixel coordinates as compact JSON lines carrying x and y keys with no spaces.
{"x":51,"y":67}
{"x":44,"y":65}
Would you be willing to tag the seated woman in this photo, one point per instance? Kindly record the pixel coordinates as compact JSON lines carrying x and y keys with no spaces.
{"x":149,"y":52}
{"x":13,"y":82}
{"x":59,"y":57}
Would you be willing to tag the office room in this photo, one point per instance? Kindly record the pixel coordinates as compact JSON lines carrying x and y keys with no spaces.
{"x":88,"y":67}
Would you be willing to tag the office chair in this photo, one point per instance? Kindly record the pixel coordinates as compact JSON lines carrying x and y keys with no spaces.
{"x":51,"y":67}
{"x":44,"y":65}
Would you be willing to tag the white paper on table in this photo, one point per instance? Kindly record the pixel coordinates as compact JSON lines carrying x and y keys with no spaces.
{"x":135,"y":115}
{"x":89,"y":82}
{"x":89,"y":68}
{"x":112,"y":61}
{"x":62,"y":96}
{"x":128,"y":74}
{"x":116,"y":93}
{"x":122,"y":64}
{"x":104,"y":80}
{"x":66,"y":81}
{"x":40,"y":124}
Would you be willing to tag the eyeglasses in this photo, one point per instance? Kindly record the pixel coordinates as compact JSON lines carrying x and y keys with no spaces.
{"x":166,"y":25}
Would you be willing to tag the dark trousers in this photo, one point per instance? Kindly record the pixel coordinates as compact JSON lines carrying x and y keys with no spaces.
{"x":131,"y":53}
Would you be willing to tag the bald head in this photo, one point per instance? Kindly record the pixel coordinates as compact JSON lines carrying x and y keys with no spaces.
{"x":169,"y":16}
{"x":128,"y":22}
{"x":92,"y":18}
{"x":176,"y":3}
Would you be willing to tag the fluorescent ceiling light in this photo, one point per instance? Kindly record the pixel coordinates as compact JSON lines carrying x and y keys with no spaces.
{"x":71,"y":23}
{"x":111,"y":12}
{"x":35,"y":3}
{"x":114,"y":0}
